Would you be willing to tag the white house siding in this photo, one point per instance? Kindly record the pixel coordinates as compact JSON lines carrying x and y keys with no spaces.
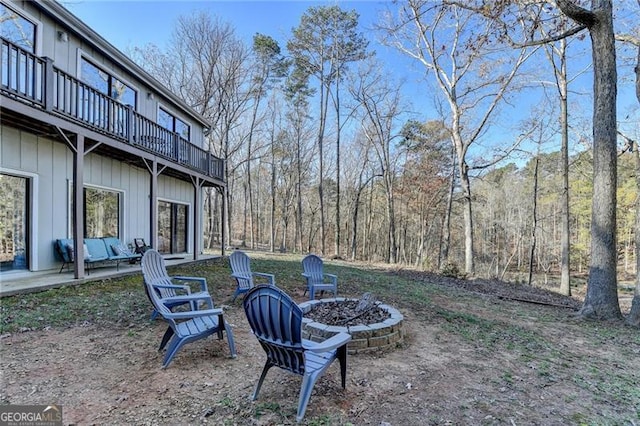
{"x":51,"y":162}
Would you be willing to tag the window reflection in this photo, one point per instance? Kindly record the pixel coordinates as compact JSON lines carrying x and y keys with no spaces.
{"x":173,"y":123}
{"x":17,"y":29}
{"x":102,"y":213}
{"x":107,"y":84}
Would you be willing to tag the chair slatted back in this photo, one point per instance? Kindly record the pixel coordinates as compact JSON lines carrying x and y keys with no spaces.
{"x":312,"y":265}
{"x":276,"y":321}
{"x":241,"y":267}
{"x":154,"y":271}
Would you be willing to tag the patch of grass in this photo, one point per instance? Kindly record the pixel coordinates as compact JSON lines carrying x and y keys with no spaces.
{"x":507,"y":376}
{"x":265,"y":407}
{"x":320,"y":421}
{"x":120,"y":301}
{"x":491,"y":334}
{"x":227,"y":402}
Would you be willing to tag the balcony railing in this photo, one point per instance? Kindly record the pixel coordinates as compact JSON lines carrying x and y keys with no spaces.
{"x":38,"y":81}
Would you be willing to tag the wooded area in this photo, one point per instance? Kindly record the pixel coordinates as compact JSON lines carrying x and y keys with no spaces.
{"x":323,"y":150}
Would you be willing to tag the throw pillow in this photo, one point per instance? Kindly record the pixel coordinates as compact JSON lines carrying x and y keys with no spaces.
{"x":120,"y":249}
{"x":124,"y":249}
{"x":70,"y":251}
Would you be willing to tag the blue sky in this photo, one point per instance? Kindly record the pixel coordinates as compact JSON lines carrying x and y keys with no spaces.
{"x":130,"y":23}
{"x":127,"y":23}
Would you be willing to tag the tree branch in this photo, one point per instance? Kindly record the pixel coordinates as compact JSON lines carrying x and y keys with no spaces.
{"x":566,"y":34}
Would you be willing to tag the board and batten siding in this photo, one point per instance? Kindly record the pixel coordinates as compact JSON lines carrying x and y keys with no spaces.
{"x":51,"y":163}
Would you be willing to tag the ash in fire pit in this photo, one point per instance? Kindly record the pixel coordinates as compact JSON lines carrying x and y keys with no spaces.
{"x":348,"y":312}
{"x":373,"y":325}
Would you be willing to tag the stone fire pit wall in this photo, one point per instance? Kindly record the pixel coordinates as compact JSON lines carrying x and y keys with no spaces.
{"x":364,"y":338}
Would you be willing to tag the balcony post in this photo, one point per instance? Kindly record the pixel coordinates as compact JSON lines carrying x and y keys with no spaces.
{"x":176,"y":142}
{"x":129,"y":124}
{"x":49,"y":77}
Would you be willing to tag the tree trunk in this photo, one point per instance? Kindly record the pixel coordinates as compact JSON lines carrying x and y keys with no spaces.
{"x":272,"y":234}
{"x":323,"y":118}
{"x":298,"y":193}
{"x":337,"y":224}
{"x":565,"y":260}
{"x":534,"y":224}
{"x":601,"y":300}
{"x":243,"y":243}
{"x":445,"y":239}
{"x":469,"y":266}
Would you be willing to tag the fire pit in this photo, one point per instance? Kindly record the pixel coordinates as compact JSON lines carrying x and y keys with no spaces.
{"x":373,"y":325}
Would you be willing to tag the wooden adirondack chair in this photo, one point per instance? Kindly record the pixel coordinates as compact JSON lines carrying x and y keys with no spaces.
{"x":317,"y":280}
{"x":184,"y":326}
{"x":276,"y":321}
{"x":241,"y":271}
{"x":156,"y":271}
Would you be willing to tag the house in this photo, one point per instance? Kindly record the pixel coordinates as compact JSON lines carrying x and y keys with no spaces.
{"x":91,"y":145}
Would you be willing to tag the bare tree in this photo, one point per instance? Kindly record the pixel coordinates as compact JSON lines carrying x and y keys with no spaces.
{"x":380,"y":101}
{"x":461,"y":50}
{"x":205,"y":64}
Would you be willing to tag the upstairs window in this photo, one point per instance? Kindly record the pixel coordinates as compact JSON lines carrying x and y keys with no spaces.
{"x":107,"y":83}
{"x":173,"y":123}
{"x":17,"y":29}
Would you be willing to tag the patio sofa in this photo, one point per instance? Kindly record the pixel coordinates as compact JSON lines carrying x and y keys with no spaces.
{"x":96,"y":250}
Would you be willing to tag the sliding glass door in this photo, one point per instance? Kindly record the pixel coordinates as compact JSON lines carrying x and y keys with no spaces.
{"x":172,"y":227}
{"x":14,"y":225}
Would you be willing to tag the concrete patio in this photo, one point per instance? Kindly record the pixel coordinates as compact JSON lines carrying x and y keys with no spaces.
{"x":21,"y":282}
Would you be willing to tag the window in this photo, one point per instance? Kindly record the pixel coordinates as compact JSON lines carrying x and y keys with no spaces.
{"x":107,"y":83}
{"x":17,"y":29}
{"x":174,"y":124}
{"x":101,"y":213}
{"x":172,"y":227}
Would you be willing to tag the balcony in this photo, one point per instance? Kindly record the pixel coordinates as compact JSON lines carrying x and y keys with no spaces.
{"x":37,"y":82}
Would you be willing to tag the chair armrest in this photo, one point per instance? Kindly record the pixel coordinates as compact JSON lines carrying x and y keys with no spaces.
{"x":201,"y":280}
{"x":270,"y":277}
{"x":174,"y":286}
{"x":334,"y":342}
{"x":189,"y":298}
{"x":193,"y":314}
{"x":333,"y":278}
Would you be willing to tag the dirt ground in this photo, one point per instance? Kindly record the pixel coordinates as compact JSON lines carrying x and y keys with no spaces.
{"x":437,"y":376}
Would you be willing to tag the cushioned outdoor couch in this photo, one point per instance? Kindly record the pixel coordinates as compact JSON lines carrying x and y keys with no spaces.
{"x":95,"y":250}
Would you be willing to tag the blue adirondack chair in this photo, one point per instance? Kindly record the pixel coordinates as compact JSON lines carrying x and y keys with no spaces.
{"x":184,"y":326}
{"x":276,"y":321}
{"x":317,"y":280}
{"x":156,"y":271}
{"x":245,"y":278}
